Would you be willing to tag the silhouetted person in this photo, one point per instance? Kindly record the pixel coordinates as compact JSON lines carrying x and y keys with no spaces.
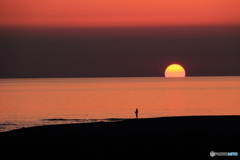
{"x":136,"y":112}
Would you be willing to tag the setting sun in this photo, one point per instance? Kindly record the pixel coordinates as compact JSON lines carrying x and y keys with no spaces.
{"x":175,"y":70}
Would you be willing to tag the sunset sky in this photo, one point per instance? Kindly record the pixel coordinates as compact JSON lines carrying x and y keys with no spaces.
{"x":95,"y":13}
{"x":118,"y":38}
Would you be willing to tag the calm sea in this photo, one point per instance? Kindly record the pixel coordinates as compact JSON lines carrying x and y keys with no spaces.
{"x":41,"y":101}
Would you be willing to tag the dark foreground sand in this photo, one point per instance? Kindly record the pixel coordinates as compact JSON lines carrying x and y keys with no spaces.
{"x":190,"y":137}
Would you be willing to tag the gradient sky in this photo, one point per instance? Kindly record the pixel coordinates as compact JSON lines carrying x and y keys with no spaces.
{"x":119,"y":12}
{"x":118,"y":38}
{"x":119,"y":52}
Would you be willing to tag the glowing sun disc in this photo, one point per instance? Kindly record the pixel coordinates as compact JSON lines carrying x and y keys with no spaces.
{"x":175,"y":70}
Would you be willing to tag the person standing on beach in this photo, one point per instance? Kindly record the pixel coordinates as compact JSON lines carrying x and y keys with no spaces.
{"x":136,"y":112}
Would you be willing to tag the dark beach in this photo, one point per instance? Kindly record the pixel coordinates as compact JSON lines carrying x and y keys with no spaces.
{"x":158,"y":138}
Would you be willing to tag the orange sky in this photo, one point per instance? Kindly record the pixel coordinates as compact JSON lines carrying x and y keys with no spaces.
{"x":119,"y":12}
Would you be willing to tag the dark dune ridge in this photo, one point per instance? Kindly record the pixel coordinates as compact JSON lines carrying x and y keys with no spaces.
{"x":85,"y":120}
{"x":166,"y":137}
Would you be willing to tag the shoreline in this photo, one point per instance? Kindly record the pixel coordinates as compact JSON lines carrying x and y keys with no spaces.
{"x":186,"y":136}
{"x":15,"y":125}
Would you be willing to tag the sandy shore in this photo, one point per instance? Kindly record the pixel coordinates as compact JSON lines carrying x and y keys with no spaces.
{"x":193,"y":136}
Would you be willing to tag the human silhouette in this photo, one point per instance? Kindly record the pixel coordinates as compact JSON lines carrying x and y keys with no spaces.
{"x":136,"y":112}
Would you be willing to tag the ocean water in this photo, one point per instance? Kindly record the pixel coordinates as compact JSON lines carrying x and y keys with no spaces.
{"x":42,"y":101}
